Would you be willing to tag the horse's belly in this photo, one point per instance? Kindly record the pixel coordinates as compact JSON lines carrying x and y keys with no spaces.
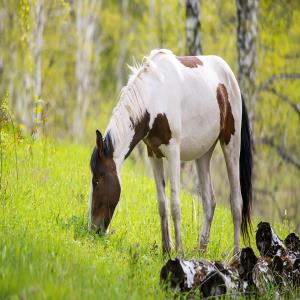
{"x":200,"y":130}
{"x":193,"y":147}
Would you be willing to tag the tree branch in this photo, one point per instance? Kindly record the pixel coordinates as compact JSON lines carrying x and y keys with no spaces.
{"x":286,"y":99}
{"x":283,"y":76}
{"x":281,"y":152}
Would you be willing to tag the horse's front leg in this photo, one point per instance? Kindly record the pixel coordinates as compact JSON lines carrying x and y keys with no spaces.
{"x":174,"y":170}
{"x":158,"y":173}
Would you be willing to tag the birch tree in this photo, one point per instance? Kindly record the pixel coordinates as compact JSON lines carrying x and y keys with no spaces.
{"x":86,"y":12}
{"x":247,"y":35}
{"x":151,"y":23}
{"x":193,"y":47}
{"x":193,"y":26}
{"x":20,"y":74}
{"x":122,"y":46}
{"x":38,"y":34}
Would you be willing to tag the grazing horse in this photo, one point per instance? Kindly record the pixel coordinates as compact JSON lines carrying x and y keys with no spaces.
{"x":180,"y":106}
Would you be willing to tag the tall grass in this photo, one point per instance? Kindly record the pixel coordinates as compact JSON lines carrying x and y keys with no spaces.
{"x":46,"y":251}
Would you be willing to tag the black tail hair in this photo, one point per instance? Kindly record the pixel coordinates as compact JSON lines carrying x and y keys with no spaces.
{"x":246,"y":166}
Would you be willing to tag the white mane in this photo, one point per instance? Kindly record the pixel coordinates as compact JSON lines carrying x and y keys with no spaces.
{"x":133,"y":100}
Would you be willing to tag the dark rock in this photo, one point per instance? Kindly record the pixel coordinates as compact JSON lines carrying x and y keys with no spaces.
{"x":172,"y":273}
{"x":292,"y":242}
{"x":179,"y":273}
{"x":267,"y":242}
{"x":213,"y":285}
{"x":278,"y":266}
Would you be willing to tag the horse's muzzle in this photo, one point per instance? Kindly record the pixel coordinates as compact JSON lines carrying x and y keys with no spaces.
{"x":100,"y":229}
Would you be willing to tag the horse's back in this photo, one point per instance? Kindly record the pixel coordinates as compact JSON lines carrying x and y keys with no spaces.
{"x":222,"y":74}
{"x":189,"y":94}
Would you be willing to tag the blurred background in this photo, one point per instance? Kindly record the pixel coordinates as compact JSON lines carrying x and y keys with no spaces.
{"x":63,"y":64}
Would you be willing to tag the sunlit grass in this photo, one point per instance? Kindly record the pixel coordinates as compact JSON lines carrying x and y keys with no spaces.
{"x":46,"y":250}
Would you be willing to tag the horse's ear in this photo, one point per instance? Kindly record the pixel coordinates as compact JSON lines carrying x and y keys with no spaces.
{"x":99,"y":142}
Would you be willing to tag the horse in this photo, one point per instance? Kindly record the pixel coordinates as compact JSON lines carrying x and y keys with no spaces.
{"x":180,"y":106}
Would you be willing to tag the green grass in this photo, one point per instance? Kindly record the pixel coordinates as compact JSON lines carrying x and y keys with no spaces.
{"x":46,"y":251}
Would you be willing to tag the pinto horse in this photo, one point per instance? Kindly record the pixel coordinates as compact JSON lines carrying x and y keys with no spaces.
{"x":180,"y":106}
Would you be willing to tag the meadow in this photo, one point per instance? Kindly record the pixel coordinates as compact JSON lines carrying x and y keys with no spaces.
{"x":46,"y":251}
{"x":62,"y":66}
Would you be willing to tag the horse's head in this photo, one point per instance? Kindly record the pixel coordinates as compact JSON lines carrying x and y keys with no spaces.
{"x":105,"y":189}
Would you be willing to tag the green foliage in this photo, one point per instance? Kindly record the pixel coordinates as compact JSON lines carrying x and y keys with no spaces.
{"x":46,"y":251}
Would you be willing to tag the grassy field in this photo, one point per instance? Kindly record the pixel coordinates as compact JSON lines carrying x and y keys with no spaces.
{"x":46,"y":251}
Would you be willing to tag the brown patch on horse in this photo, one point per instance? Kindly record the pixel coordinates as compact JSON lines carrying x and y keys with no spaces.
{"x":141,"y":128}
{"x":159,"y":134}
{"x":226,"y":118}
{"x":190,"y":61}
{"x":149,"y":151}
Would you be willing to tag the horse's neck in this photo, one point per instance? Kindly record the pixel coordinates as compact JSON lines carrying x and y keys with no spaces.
{"x":130,"y":120}
{"x":126,"y":134}
{"x":128,"y":137}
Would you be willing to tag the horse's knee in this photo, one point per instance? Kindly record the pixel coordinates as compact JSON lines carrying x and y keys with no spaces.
{"x":236,"y":207}
{"x":162,"y":208}
{"x":212,"y":207}
{"x":175,"y":211}
{"x":237,"y":216}
{"x":209,"y":208}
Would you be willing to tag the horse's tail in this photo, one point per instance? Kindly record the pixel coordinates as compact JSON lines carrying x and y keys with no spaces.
{"x":246,"y":173}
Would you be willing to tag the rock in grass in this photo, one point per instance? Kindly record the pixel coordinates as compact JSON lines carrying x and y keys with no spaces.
{"x":278,"y":266}
{"x":213,"y":285}
{"x":256,"y":273}
{"x":267,"y":241}
{"x":296,"y":273}
{"x":262,"y":275}
{"x":285,"y":254}
{"x":210,"y":278}
{"x":216,"y":279}
{"x":179,"y":274}
{"x":246,"y":262}
{"x":292,"y":242}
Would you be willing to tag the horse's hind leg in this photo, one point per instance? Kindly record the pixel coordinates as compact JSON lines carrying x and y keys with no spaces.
{"x":232,"y":158}
{"x":158,"y":172}
{"x":208,"y":198}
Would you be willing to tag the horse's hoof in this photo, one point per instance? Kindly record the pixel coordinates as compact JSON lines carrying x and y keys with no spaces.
{"x":236,"y":251}
{"x":180,"y":254}
{"x":166,"y":250}
{"x":202,"y":248}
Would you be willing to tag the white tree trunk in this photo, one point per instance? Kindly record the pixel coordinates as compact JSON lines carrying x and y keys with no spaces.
{"x":39,"y":30}
{"x":193,"y":26}
{"x":86,"y":12}
{"x":123,"y":46}
{"x":193,"y":47}
{"x":247,"y":34}
{"x":151,"y":25}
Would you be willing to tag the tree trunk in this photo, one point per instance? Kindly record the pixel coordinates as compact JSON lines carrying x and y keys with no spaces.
{"x":86,"y":11}
{"x":247,"y":34}
{"x":123,"y":46}
{"x":193,"y":26}
{"x":161,"y":25}
{"x":40,"y":21}
{"x":193,"y":47}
